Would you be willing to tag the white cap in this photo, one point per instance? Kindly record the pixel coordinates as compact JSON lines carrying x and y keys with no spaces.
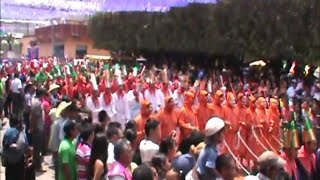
{"x":269,"y":158}
{"x":214,"y":125}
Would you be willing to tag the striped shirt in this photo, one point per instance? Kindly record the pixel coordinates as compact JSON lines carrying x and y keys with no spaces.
{"x":83,"y":157}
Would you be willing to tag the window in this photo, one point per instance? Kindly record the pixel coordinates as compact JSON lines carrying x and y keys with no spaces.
{"x":81,"y":51}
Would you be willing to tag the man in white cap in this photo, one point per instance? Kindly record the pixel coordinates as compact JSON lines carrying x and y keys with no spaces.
{"x":270,"y":165}
{"x":206,"y":163}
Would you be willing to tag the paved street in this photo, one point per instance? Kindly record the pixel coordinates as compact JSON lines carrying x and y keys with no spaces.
{"x":49,"y":175}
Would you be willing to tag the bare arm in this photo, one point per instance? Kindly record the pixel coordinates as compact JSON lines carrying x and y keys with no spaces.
{"x":98,"y":170}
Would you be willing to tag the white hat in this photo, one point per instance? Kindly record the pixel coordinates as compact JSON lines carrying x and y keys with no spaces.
{"x":214,"y":125}
{"x":53,"y":87}
{"x":269,"y":158}
{"x":62,"y":106}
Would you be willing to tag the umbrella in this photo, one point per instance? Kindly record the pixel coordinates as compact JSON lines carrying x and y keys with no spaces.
{"x":258,"y":63}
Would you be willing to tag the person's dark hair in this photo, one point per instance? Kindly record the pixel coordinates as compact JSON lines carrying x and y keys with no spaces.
{"x":98,"y":151}
{"x":223,"y":161}
{"x":195,"y":138}
{"x":282,"y":175}
{"x":131,"y":125}
{"x":143,"y":172}
{"x":157,"y":162}
{"x":98,"y":128}
{"x":102,"y":116}
{"x":151,"y":124}
{"x":131,"y":135}
{"x":41,"y":92}
{"x":166,"y":145}
{"x":85,"y":131}
{"x":113,"y":129}
{"x":120,"y":147}
{"x":16,"y":75}
{"x":72,"y":107}
{"x":65,"y":98}
{"x":68,"y":127}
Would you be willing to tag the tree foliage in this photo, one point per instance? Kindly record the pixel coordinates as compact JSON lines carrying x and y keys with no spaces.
{"x":246,"y":29}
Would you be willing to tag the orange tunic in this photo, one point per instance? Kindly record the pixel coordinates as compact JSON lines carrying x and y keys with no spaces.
{"x":204,"y":112}
{"x":241,"y":116}
{"x":252,"y":123}
{"x":187,"y":120}
{"x":218,"y":110}
{"x":141,"y":120}
{"x":274,"y":126}
{"x":232,"y":124}
{"x":263,"y":119}
{"x":169,"y":121}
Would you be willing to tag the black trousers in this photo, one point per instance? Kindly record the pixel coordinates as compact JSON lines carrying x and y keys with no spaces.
{"x":17,"y":105}
{"x":15,"y":171}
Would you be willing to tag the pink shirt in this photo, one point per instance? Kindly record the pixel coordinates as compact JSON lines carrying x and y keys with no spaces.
{"x":83,"y":157}
{"x":117,"y":169}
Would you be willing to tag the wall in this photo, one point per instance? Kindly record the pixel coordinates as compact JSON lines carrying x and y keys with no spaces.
{"x":69,"y":47}
{"x":26,"y":44}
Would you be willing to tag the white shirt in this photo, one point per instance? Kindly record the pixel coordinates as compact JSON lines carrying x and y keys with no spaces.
{"x":122,"y":108}
{"x":110,"y":109}
{"x":94,"y":110}
{"x":178,"y":99}
{"x":110,"y":159}
{"x":148,"y":149}
{"x":134,"y":106}
{"x":154,"y":99}
{"x":16,"y":84}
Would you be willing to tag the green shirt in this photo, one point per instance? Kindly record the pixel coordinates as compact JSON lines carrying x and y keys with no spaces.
{"x":1,"y":89}
{"x":67,"y":155}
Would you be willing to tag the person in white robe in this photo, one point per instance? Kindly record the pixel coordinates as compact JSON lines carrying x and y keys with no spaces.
{"x":154,"y":95}
{"x":92,"y":102}
{"x":121,"y":105}
{"x":135,"y":98}
{"x":107,"y":102}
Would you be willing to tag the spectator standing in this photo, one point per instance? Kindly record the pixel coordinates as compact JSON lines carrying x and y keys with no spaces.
{"x":37,"y":127}
{"x":14,"y":147}
{"x":143,"y":172}
{"x":97,"y":165}
{"x":206,"y":163}
{"x":84,"y":150}
{"x":123,"y":156}
{"x":270,"y":165}
{"x":226,"y":167}
{"x":17,"y":99}
{"x":114,"y":133}
{"x":67,"y":153}
{"x":149,"y":146}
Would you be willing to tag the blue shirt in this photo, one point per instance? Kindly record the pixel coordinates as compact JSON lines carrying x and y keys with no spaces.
{"x":183,"y":163}
{"x":207,"y":160}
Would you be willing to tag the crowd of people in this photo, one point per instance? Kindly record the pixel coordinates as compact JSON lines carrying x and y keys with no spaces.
{"x":99,"y":121}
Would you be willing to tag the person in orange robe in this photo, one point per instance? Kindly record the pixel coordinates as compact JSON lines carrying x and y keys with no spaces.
{"x":262,"y":117}
{"x":187,"y":117}
{"x":252,"y":126}
{"x":274,"y":123}
{"x":204,"y":110}
{"x":241,"y":116}
{"x":217,"y":103}
{"x":168,"y":117}
{"x":141,"y":119}
{"x":232,"y":123}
